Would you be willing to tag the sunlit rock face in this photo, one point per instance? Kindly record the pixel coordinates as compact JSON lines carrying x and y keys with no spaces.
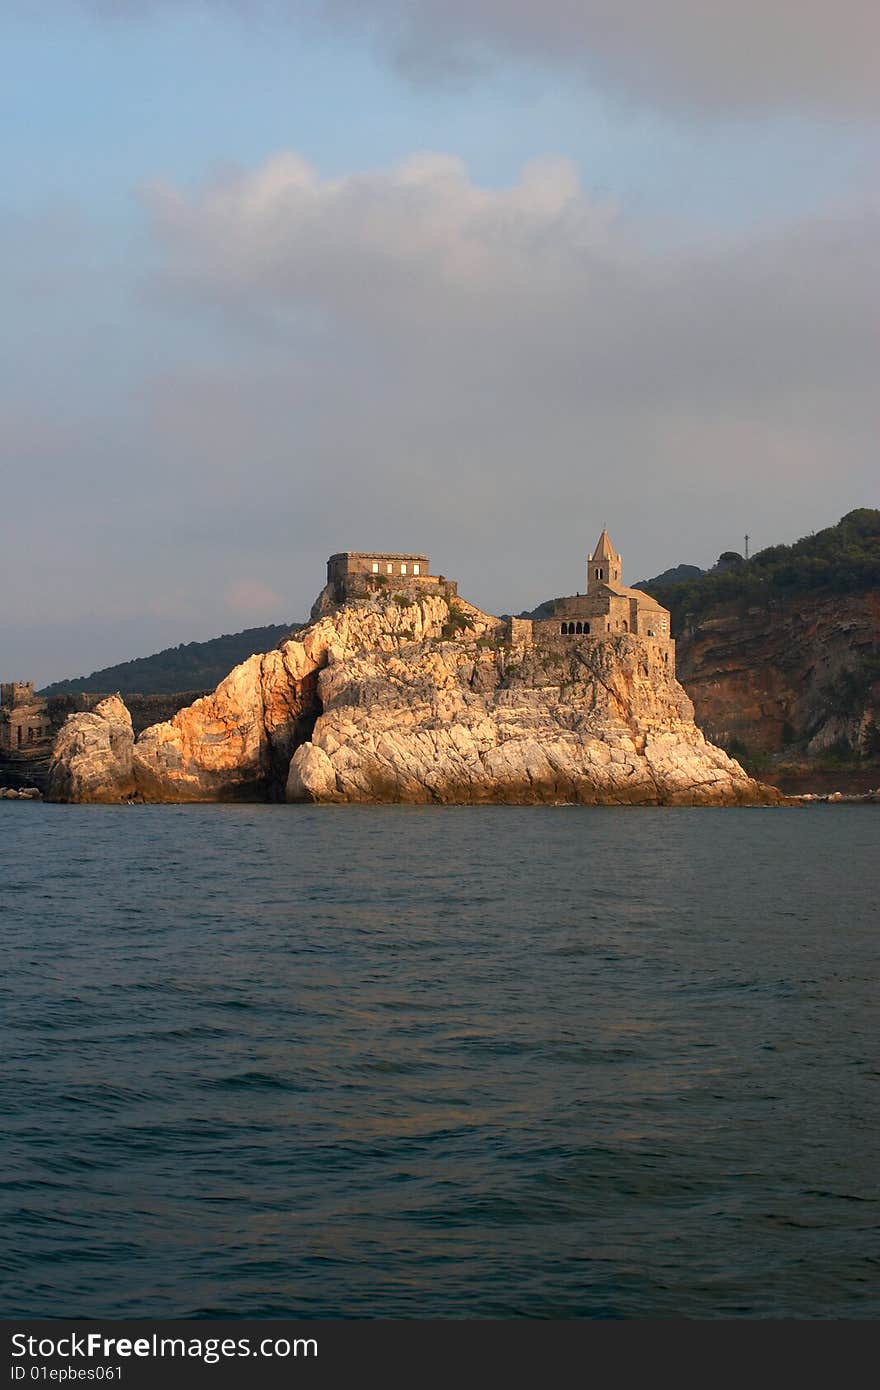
{"x":92,"y":756}
{"x":400,"y":698}
{"x":237,"y":742}
{"x":478,"y":720}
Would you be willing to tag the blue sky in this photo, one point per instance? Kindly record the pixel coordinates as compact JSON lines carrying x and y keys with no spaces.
{"x":185,"y":91}
{"x":248,"y":322}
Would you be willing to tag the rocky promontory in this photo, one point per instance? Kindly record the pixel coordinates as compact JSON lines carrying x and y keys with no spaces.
{"x":92,"y":756}
{"x":416,"y":698}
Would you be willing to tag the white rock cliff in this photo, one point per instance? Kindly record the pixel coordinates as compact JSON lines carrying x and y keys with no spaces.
{"x":409,"y":699}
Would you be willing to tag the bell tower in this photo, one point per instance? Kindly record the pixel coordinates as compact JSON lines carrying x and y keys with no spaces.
{"x":604,"y":566}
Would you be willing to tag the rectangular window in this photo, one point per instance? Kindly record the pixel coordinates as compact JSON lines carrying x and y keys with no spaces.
{"x":415,"y":569}
{"x":403,"y":569}
{"x":375,"y":567}
{"x":389,"y":568}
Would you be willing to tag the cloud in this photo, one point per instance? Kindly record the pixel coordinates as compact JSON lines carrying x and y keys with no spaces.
{"x":403,"y":358}
{"x":427,"y":275}
{"x":497,"y":366}
{"x":728,"y":56}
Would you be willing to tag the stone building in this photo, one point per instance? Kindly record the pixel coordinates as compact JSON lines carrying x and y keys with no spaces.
{"x":608,"y":608}
{"x":24,"y":716}
{"x":355,"y":574}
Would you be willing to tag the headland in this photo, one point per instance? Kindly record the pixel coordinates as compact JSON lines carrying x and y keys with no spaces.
{"x":399,"y":690}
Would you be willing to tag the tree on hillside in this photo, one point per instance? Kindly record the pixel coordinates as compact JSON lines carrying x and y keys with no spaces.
{"x":840,"y":558}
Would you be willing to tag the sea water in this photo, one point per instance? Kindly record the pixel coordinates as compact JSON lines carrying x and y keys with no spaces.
{"x":273,"y":1061}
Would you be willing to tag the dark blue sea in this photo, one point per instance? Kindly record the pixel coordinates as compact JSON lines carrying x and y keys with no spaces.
{"x":268,"y":1061}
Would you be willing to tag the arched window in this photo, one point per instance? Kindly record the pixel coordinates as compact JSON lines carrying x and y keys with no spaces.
{"x":579,"y":627}
{"x":586,"y":627}
{"x":625,"y":625}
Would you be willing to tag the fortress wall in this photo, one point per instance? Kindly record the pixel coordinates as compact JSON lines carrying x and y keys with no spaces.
{"x":16,"y":693}
{"x":24,"y":725}
{"x":365,"y":584}
{"x":522,"y":630}
{"x":390,"y":564}
{"x":548,"y":630}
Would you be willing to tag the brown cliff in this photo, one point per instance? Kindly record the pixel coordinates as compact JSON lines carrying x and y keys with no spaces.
{"x":792,"y":682}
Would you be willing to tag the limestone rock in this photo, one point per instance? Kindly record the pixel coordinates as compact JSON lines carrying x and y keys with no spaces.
{"x":92,"y":757}
{"x":311,"y":776}
{"x":237,"y":742}
{"x":591,"y":722}
{"x":405,"y":698}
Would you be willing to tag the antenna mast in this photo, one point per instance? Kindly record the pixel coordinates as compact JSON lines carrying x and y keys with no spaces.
{"x":747,"y":544}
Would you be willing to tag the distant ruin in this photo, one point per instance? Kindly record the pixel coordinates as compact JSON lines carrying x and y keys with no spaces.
{"x":24,"y":716}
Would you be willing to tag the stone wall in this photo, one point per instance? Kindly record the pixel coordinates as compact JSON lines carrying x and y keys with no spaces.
{"x":23,"y":725}
{"x":16,"y":693}
{"x":389,"y":563}
{"x":356,"y":574}
{"x":549,"y":631}
{"x":522,"y":631}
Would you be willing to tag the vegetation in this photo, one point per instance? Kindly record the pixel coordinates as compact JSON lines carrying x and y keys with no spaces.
{"x":840,"y":559}
{"x":457,"y":622}
{"x":680,"y":574}
{"x":841,"y":751}
{"x":755,"y":763}
{"x":191,"y":666}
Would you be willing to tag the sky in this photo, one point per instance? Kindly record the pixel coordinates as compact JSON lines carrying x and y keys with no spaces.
{"x":465,"y":277}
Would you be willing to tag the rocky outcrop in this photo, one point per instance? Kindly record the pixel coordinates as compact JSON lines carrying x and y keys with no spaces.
{"x":472,"y":722}
{"x":92,"y":757}
{"x":237,"y":742}
{"x":419,"y":699}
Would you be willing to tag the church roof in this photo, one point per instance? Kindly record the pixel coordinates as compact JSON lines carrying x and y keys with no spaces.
{"x":621,"y":591}
{"x":604,"y":549}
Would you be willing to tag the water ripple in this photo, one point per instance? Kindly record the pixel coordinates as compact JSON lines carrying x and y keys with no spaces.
{"x":438,"y":1062}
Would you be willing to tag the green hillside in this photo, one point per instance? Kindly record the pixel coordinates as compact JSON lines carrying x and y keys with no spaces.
{"x":841,"y":559}
{"x":191,"y":666}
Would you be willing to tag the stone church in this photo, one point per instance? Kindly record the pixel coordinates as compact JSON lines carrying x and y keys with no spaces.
{"x":608,"y":608}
